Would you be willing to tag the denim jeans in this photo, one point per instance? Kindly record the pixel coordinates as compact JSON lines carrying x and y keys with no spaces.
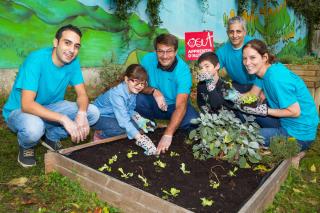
{"x":268,"y":133}
{"x":147,"y":107}
{"x":31,"y":128}
{"x":110,"y":127}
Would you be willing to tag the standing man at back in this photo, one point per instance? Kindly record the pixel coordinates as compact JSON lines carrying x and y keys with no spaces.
{"x":169,"y":86}
{"x":36,"y":104}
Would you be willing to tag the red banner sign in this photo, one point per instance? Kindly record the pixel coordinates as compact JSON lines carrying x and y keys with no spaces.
{"x":197,"y":43}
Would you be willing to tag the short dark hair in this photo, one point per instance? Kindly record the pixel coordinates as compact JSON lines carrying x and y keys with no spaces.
{"x":166,"y":39}
{"x":65,"y":28}
{"x":209,"y":56}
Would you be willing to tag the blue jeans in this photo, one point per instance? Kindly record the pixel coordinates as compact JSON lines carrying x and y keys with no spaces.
{"x":268,"y":133}
{"x":110,"y":127}
{"x":147,"y":107}
{"x":31,"y":128}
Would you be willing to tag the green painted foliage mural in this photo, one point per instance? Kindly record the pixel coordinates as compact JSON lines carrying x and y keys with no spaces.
{"x":31,"y":24}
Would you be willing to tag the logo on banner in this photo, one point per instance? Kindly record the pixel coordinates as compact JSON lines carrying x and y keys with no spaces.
{"x":197,"y":43}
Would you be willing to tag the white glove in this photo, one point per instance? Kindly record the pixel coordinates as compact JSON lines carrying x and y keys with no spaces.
{"x":71,"y":127}
{"x":146,"y":143}
{"x":233,"y":95}
{"x":161,"y":102}
{"x":83,"y":124}
{"x":164,"y":144}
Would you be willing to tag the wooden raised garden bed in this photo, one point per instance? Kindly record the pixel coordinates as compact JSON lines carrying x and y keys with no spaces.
{"x":311,"y":75}
{"x":247,"y":191}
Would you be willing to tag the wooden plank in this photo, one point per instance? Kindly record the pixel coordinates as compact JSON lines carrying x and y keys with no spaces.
{"x":85,"y":145}
{"x":265,"y":194}
{"x":303,"y":73}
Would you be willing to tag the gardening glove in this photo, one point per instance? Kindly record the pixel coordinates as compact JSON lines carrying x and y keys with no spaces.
{"x":164,"y":144}
{"x":71,"y":127}
{"x":83,"y":124}
{"x":209,"y":79}
{"x":143,"y":123}
{"x":146,"y":143}
{"x":261,"y":109}
{"x":232,"y":95}
{"x":161,"y":102}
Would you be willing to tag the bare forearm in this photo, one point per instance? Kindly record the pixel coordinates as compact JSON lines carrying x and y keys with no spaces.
{"x":82,"y":103}
{"x":282,"y":113}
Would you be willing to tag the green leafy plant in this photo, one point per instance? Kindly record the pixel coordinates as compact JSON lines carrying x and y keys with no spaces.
{"x":249,"y":98}
{"x":160,"y":164}
{"x":214,"y":184}
{"x":174,"y":154}
{"x":281,"y":148}
{"x":173,"y":193}
{"x":223,"y":136}
{"x":144,"y":180}
{"x":232,"y":173}
{"x":206,"y":201}
{"x":112,"y":159}
{"x":131,"y":153}
{"x":183,"y":168}
{"x":105,"y":167}
{"x":125,"y":175}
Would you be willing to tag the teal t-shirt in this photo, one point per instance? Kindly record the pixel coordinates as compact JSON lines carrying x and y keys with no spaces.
{"x":231,"y":60}
{"x":39,"y":74}
{"x":179,"y":81}
{"x":284,"y":88}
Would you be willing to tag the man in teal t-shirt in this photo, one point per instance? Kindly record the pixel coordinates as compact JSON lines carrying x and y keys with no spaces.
{"x":36,"y":104}
{"x":169,"y":85}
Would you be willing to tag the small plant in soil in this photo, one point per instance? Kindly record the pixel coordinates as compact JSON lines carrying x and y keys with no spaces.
{"x":232,"y":173}
{"x":183,"y":168}
{"x":105,"y":167}
{"x":172,"y":193}
{"x":261,"y":168}
{"x":174,"y":154}
{"x":144,"y":180}
{"x":160,"y":164}
{"x":206,"y":201}
{"x":224,"y":136}
{"x":214,"y":184}
{"x":131,"y":153}
{"x":249,"y":100}
{"x":125,"y":175}
{"x":113,"y":159}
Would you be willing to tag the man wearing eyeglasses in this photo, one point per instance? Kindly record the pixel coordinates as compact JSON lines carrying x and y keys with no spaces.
{"x":169,"y":86}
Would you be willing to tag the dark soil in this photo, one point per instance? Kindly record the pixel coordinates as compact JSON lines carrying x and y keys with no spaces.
{"x":232,"y":193}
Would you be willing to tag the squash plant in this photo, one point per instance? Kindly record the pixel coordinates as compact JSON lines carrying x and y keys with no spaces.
{"x":223,"y":136}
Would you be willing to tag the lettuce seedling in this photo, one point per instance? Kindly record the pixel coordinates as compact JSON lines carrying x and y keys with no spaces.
{"x":144,"y":180}
{"x":232,"y":173}
{"x":214,"y":184}
{"x":131,"y":153}
{"x":124,"y":175}
{"x":206,"y":202}
{"x":174,"y":154}
{"x":113,"y":159}
{"x":173,"y":192}
{"x":183,"y":168}
{"x":159,"y":163}
{"x":105,"y":167}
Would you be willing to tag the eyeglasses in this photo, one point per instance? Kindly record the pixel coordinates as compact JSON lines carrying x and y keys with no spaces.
{"x":163,"y":52}
{"x":137,"y":82}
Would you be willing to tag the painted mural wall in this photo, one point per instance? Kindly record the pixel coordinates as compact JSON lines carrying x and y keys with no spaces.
{"x":26,"y":25}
